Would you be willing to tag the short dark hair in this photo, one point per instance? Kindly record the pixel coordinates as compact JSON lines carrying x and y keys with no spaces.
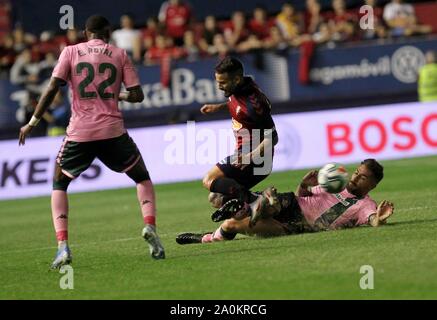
{"x":376,"y":168}
{"x":230,"y":65}
{"x":97,"y":24}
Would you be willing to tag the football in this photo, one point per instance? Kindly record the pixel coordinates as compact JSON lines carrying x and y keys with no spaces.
{"x":333,"y":177}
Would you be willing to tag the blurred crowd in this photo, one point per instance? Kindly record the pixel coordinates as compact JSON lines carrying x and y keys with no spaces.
{"x":27,"y":60}
{"x":175,"y":33}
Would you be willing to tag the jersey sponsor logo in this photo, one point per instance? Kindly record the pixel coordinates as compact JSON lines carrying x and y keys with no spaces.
{"x":236,"y":125}
{"x":333,"y":213}
{"x":342,"y":200}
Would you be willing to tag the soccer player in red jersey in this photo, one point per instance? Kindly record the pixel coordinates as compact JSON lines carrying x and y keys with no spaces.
{"x":255,"y":133}
{"x":95,"y":71}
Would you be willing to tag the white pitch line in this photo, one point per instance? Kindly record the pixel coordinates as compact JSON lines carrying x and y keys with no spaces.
{"x":415,"y":208}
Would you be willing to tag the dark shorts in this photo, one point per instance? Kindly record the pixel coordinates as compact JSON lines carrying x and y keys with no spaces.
{"x":119,"y":154}
{"x":291,"y":216}
{"x":246,"y":177}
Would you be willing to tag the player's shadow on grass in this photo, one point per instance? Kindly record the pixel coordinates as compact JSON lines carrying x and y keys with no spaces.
{"x":223,"y":250}
{"x":409,"y":222}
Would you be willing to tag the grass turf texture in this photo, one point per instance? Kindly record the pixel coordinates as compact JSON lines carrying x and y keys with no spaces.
{"x":111,"y":261}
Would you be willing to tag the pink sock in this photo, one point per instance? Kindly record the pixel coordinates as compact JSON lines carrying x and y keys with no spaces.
{"x":60,"y":214}
{"x":207,"y":238}
{"x":215,"y":236}
{"x":146,"y":197}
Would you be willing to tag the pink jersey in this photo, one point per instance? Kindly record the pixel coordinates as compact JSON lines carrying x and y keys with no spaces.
{"x":95,"y":71}
{"x":325,"y":210}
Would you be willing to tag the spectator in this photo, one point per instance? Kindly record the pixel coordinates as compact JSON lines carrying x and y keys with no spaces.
{"x":24,"y":71}
{"x":427,"y":82}
{"x":7,"y":56}
{"x":275,"y":40}
{"x":343,"y":23}
{"x":46,"y":66}
{"x":236,"y":32}
{"x":259,"y":25}
{"x":289,"y":22}
{"x":175,"y":15}
{"x":163,"y":48}
{"x":210,"y":29}
{"x":219,"y":47}
{"x":190,"y":49}
{"x":314,"y":19}
{"x":401,"y":19}
{"x":71,"y":38}
{"x":128,"y":38}
{"x":46,"y":44}
{"x":307,"y":16}
{"x":251,"y":43}
{"x":149,"y":33}
{"x":323,"y":35}
{"x":22,"y":40}
{"x":379,"y":30}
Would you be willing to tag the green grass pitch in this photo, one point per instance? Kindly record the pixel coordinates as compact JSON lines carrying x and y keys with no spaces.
{"x":111,"y":261}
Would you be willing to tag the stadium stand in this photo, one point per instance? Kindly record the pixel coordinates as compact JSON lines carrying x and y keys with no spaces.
{"x":292,"y":48}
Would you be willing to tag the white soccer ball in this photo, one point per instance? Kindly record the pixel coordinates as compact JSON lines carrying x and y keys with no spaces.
{"x":333,"y":178}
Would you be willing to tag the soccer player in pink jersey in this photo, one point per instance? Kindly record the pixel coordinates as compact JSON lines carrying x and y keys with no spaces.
{"x":95,"y":71}
{"x":311,"y":209}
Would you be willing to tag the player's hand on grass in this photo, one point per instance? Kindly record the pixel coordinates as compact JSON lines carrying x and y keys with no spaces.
{"x":24,"y":131}
{"x":385,"y":210}
{"x":209,"y":108}
{"x":310,"y":179}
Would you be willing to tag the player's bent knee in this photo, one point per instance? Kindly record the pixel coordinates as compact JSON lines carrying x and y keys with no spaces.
{"x":207,"y":181}
{"x":231,"y":225}
{"x":216,"y":199}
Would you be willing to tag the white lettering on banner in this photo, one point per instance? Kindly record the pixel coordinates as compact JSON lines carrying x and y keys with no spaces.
{"x":306,"y":140}
{"x":365,"y":69}
{"x":185,"y":89}
{"x":403,"y":65}
{"x":406,"y":62}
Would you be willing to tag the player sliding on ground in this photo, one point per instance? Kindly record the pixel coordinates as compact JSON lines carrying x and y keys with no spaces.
{"x":311,"y":209}
{"x":95,"y":71}
{"x":255,"y":134}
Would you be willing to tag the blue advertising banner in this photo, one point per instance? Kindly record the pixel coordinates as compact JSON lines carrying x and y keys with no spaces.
{"x":192,"y":84}
{"x":361,"y":70}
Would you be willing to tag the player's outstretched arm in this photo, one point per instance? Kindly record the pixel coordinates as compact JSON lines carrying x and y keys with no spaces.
{"x":383,"y":212}
{"x":44,"y":102}
{"x":212,"y":108}
{"x":308,"y":181}
{"x":134,"y":94}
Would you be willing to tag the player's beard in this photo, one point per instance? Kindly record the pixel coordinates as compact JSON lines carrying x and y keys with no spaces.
{"x":352,"y":189}
{"x":230,"y":91}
